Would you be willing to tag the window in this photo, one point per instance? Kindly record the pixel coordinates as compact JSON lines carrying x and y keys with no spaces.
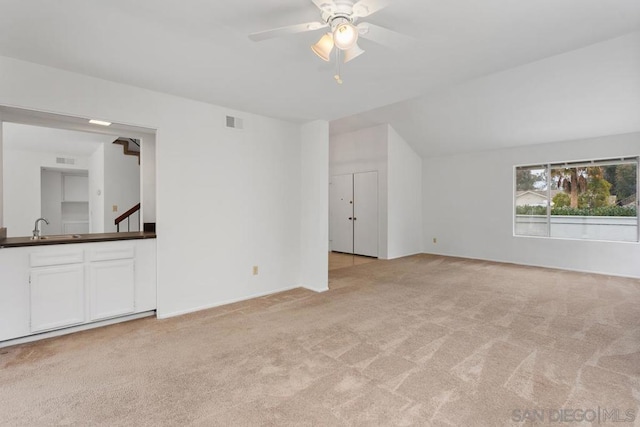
{"x":596,"y":200}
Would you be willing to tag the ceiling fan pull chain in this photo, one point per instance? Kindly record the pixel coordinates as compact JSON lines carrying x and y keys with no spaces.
{"x":337,"y":76}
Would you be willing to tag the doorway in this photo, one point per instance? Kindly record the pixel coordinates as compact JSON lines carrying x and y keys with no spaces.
{"x":353,"y":213}
{"x":64,"y":196}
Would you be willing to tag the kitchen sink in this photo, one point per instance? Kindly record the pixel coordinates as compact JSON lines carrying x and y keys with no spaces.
{"x":61,"y":237}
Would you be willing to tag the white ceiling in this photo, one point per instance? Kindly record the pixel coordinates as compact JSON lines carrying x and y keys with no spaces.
{"x":199,"y":49}
{"x":44,"y":139}
{"x":586,"y":93}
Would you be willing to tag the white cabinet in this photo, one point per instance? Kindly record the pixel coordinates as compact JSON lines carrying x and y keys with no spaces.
{"x":14,"y":293}
{"x":56,"y":288}
{"x":43,"y":288}
{"x":56,"y":297}
{"x":145,"y":275}
{"x":112,"y":281}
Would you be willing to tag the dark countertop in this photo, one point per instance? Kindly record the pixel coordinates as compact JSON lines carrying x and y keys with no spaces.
{"x":16,"y":242}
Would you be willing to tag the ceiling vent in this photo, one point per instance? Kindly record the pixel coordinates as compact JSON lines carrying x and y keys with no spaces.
{"x":65,"y":161}
{"x":234,"y":122}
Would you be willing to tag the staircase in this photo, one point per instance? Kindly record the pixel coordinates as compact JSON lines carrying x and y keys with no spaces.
{"x":127,"y":216}
{"x":130,"y":146}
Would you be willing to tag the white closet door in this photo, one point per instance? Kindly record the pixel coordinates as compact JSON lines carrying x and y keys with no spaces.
{"x":341,"y":209}
{"x":365,"y":213}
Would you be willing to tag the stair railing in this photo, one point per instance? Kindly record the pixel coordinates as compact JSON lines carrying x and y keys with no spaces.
{"x":127,"y":216}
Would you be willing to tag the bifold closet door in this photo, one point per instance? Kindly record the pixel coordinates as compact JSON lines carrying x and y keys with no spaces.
{"x":365,"y":213}
{"x":341,"y":210}
{"x":353,"y":206}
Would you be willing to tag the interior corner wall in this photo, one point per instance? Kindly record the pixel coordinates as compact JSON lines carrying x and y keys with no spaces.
{"x":148,"y":178}
{"x":468,"y":206}
{"x":404,"y":211}
{"x":314,"y":235}
{"x":96,"y":190}
{"x":51,"y":193}
{"x":364,"y":150}
{"x":226,"y":197}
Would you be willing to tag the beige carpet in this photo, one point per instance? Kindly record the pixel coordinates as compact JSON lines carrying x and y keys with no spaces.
{"x":340,"y":260}
{"x":422,"y":340}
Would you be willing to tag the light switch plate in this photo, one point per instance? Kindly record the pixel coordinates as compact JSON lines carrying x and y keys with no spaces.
{"x":115,"y":208}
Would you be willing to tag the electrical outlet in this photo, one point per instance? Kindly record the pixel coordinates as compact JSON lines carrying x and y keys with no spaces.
{"x":435,"y":240}
{"x":255,"y":270}
{"x":115,"y":208}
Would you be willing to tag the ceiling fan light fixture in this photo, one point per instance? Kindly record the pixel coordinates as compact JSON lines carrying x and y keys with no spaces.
{"x":324,"y":47}
{"x":352,"y":53}
{"x":345,"y":35}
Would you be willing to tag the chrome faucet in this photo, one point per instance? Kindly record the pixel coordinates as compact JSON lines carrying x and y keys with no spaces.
{"x":36,"y":230}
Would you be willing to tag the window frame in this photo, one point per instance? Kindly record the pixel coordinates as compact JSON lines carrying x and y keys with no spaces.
{"x":548,"y":166}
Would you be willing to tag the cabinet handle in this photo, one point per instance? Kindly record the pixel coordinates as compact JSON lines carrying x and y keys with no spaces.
{"x":350,"y":218}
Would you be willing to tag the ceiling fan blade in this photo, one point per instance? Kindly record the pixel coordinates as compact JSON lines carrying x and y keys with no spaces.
{"x":368,"y":7}
{"x":385,"y":36}
{"x":291,"y":29}
{"x":327,"y":6}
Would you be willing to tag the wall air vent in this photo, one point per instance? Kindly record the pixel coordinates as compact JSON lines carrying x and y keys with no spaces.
{"x":234,"y":122}
{"x":65,"y":161}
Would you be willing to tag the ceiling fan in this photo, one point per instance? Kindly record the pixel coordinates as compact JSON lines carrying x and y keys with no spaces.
{"x":340,"y":17}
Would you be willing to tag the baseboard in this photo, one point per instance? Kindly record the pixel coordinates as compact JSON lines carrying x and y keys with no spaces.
{"x":318,"y":290}
{"x":72,"y":329}
{"x":225,"y":302}
{"x":576,"y":270}
{"x":403,"y":256}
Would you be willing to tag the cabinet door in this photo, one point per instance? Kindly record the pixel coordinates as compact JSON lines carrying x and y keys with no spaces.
{"x":57,"y":297}
{"x":111,"y":288}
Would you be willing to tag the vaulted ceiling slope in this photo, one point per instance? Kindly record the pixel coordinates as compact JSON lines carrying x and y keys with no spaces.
{"x":200,"y":49}
{"x":585,"y":93}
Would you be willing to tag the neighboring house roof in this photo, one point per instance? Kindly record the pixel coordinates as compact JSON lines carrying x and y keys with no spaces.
{"x":534,"y":197}
{"x":541,"y":193}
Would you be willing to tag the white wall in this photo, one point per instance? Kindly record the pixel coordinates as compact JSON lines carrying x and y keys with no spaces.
{"x":51,"y":201}
{"x":404,"y":211}
{"x":121,"y":187}
{"x":22,"y":202}
{"x":227,"y":199}
{"x":468,"y":205}
{"x":363,"y":151}
{"x":314,"y":239}
{"x":96,"y":190}
{"x":148,"y":178}
{"x":1,"y":175}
